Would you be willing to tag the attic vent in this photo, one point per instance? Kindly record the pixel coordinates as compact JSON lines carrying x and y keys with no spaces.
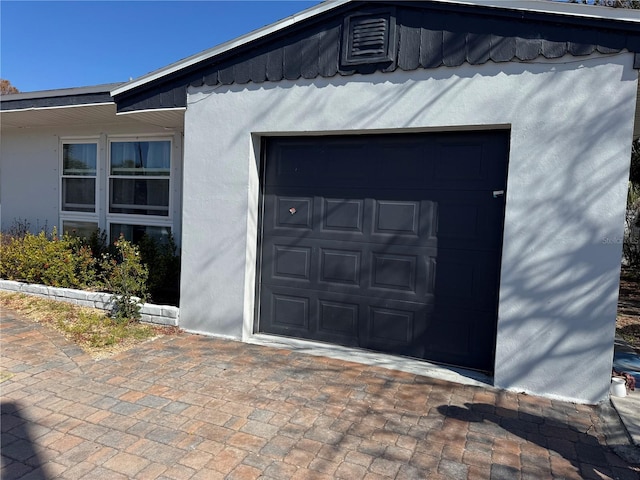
{"x":369,"y":38}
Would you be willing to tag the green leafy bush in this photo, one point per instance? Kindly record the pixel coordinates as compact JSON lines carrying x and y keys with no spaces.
{"x":47,"y":259}
{"x":124,"y":275}
{"x":631,"y":244}
{"x":164,"y":269}
{"x":73,"y":262}
{"x":148,"y":271}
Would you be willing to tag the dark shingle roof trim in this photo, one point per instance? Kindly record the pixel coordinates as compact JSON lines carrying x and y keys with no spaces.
{"x":429,"y":35}
{"x":59,"y":98}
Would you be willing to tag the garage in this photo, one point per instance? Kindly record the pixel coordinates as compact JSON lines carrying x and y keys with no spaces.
{"x":437,"y":180}
{"x":385,"y":242}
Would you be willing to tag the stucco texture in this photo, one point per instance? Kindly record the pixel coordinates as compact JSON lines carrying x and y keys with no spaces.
{"x":571,"y":123}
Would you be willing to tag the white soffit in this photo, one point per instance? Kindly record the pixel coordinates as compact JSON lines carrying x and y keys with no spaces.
{"x":166,"y":118}
{"x":87,"y":115}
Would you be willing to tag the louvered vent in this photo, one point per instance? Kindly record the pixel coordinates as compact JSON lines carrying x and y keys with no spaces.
{"x":369,"y":38}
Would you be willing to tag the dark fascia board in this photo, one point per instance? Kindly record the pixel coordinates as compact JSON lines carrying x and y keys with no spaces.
{"x":64,"y":97}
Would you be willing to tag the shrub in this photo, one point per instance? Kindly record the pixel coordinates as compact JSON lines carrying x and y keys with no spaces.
{"x":124,"y":275}
{"x":133,"y":273}
{"x":164,"y":269}
{"x":20,"y":227}
{"x":631,"y":243}
{"x":47,"y":259}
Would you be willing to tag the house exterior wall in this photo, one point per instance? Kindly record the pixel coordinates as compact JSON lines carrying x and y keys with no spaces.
{"x":30,"y":171}
{"x":29,"y":177}
{"x":571,"y":123}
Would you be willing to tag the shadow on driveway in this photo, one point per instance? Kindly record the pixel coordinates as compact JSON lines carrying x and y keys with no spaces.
{"x":582,"y":449}
{"x":19,"y":456}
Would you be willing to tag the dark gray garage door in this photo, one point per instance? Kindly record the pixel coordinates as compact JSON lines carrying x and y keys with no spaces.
{"x":388,"y":242}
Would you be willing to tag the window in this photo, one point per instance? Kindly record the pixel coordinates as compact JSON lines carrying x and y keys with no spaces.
{"x":79,"y":228}
{"x":139,"y":177}
{"x":79,"y":177}
{"x":134,"y":233}
{"x":121,"y":184}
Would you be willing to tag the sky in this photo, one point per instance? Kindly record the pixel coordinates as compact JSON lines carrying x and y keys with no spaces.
{"x":47,"y":45}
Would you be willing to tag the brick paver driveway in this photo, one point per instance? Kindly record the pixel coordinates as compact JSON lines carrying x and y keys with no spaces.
{"x":191,"y":407}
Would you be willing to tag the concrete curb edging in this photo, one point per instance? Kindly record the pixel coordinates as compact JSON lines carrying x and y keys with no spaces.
{"x":151,"y":313}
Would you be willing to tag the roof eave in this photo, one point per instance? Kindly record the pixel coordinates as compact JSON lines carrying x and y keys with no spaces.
{"x":536,"y":6}
{"x":61,"y":92}
{"x":230,"y":45}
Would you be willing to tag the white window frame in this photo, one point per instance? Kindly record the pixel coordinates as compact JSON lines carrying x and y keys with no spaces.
{"x":134,"y":219}
{"x":71,"y":216}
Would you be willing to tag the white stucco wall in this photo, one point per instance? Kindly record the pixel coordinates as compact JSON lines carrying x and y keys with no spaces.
{"x":30,"y":170}
{"x":571,"y":124}
{"x":29,"y":178}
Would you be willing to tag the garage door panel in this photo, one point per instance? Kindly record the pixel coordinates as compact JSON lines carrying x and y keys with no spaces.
{"x":395,"y":272}
{"x":466,"y":278}
{"x":342,"y":215}
{"x":291,"y":262}
{"x":470,"y":161}
{"x":449,"y":338}
{"x":386,"y":242}
{"x":407,"y":173}
{"x":459,"y":336}
{"x":465,"y":220}
{"x":391,"y":272}
{"x":387,"y":325}
{"x":397,"y":217}
{"x":461,"y":162}
{"x":294,"y":163}
{"x":345,"y":159}
{"x":294,"y":212}
{"x":338,"y":318}
{"x":326,"y":316}
{"x":407,"y":222}
{"x":290,"y":311}
{"x":340,"y":266}
{"x":397,"y":327}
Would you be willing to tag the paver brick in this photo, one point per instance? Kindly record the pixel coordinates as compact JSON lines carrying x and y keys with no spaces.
{"x":78,"y":454}
{"x":66,"y":443}
{"x":259,"y":429}
{"x":126,"y":464}
{"x":79,"y":471}
{"x":244,"y":472}
{"x":179,"y":472}
{"x":279,"y":446}
{"x":153,"y":470}
{"x":15,"y":469}
{"x":301,"y":458}
{"x":245,"y":441}
{"x":190,"y":407}
{"x":350,"y":471}
{"x":383,"y":466}
{"x":323,"y":466}
{"x":101,"y":455}
{"x":89,"y":431}
{"x":226,"y":460}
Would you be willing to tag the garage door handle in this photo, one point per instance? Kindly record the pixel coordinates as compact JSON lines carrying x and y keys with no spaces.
{"x":498,"y":193}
